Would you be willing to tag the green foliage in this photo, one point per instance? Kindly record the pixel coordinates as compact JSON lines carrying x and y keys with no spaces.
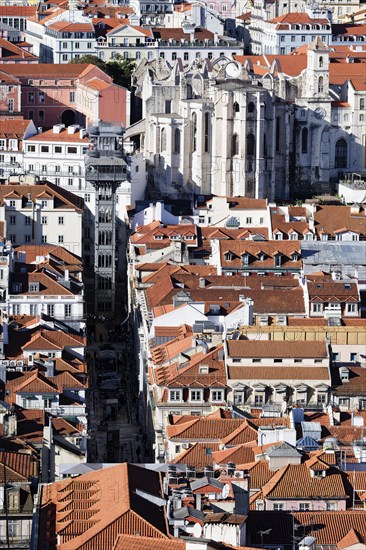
{"x":119,"y":69}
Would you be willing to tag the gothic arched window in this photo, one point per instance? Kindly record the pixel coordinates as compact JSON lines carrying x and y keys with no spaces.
{"x":194,"y":132}
{"x":304,"y":140}
{"x":235,"y":145}
{"x":250,"y":145}
{"x":177,"y":140}
{"x":341,"y":150}
{"x":163,"y":140}
{"x":320,"y":85}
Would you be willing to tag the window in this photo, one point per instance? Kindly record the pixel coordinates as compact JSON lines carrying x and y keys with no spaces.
{"x":77,"y":45}
{"x":277,"y":360}
{"x":353,"y":356}
{"x":11,"y":203}
{"x":10,"y":105}
{"x":250,"y":145}
{"x":185,"y":56}
{"x":44,"y":220}
{"x":50,"y":310}
{"x":44,"y":238}
{"x":207,"y":132}
{"x":87,"y":197}
{"x":174,"y":395}
{"x":351,"y":308}
{"x":177,"y":140}
{"x":362,"y":104}
{"x":41,"y":96}
{"x":278,"y":506}
{"x":304,"y":506}
{"x":331,"y":506}
{"x":258,"y":399}
{"x":217,"y":395}
{"x":322,"y":398}
{"x":31,"y":115}
{"x":304,"y":140}
{"x":30,"y":97}
{"x":251,"y":108}
{"x":61,"y":220}
{"x":47,"y":402}
{"x":45,"y":148}
{"x":72,"y":97}
{"x":13,"y":528}
{"x":64,"y":45}
{"x":70,"y":181}
{"x":320,"y":85}
{"x":235,"y":145}
{"x":67,"y":310}
{"x":344,"y":375}
{"x":12,"y":220}
{"x":194,"y":132}
{"x":60,"y":239}
{"x":163,"y":140}
{"x":278,"y":130}
{"x":31,"y":148}
{"x":27,"y":220}
{"x":196,"y":395}
{"x":236,"y":107}
{"x":72,"y":150}
{"x":341,"y":153}
{"x":65,"y":57}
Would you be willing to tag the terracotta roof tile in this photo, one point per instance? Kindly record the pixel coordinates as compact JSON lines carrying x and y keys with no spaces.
{"x":132,"y":542}
{"x":199,"y":455}
{"x":278,"y":372}
{"x":273,"y":348}
{"x":110,"y":514}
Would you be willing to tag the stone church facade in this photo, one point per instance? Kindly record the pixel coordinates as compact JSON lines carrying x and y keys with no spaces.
{"x":224,"y":129}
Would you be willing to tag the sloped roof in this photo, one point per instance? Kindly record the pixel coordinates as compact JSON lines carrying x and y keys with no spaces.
{"x":90,"y":511}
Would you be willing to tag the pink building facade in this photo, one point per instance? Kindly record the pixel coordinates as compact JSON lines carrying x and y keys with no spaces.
{"x":69,"y":94}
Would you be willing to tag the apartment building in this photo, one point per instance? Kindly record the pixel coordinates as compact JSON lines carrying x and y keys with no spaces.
{"x":40,"y":213}
{"x":12,"y":136}
{"x":187,"y":43}
{"x":69,"y":94}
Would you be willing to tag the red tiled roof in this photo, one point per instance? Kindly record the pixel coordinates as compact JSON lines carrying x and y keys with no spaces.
{"x":92,"y":510}
{"x":273,"y":348}
{"x":136,"y":542}
{"x":278,"y":372}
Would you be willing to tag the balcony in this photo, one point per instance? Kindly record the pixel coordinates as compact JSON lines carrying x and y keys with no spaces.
{"x":67,"y":410}
{"x":17,"y":541}
{"x":333,"y":311}
{"x":41,"y":298}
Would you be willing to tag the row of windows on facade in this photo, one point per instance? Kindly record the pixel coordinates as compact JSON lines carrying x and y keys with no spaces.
{"x":27,"y":239}
{"x":34,"y":309}
{"x":14,"y":220}
{"x":151,"y":55}
{"x":57,"y":149}
{"x":42,"y":97}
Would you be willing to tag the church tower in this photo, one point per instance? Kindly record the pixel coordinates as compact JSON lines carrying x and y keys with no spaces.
{"x":317,"y":74}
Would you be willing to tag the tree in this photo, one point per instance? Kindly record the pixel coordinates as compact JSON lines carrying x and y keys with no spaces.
{"x":90,"y":59}
{"x":119,"y":69}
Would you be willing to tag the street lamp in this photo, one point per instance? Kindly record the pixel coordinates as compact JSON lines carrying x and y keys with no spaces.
{"x":262,"y":533}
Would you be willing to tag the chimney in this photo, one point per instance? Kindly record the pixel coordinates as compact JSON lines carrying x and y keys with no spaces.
{"x":202,"y":282}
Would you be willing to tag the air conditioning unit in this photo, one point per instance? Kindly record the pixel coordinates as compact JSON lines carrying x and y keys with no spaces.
{"x":5,"y":363}
{"x":19,"y":363}
{"x":12,"y":363}
{"x":239,"y":474}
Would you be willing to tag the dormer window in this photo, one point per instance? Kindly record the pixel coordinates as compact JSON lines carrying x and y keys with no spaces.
{"x":203,"y":369}
{"x":344,"y":374}
{"x":158,"y":237}
{"x":245,"y":259}
{"x":229,"y":256}
{"x":175,"y":395}
{"x":196,"y":395}
{"x":278,"y":260}
{"x":295,"y":257}
{"x":33,"y":287}
{"x":261,"y":257}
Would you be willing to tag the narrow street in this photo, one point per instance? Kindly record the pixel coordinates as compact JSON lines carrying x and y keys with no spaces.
{"x":114,"y":432}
